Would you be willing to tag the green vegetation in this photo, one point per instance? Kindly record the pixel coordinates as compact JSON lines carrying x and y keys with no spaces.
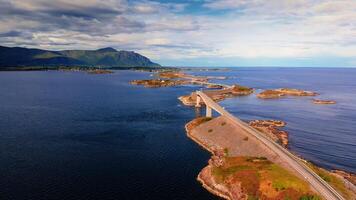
{"x":309,"y":197}
{"x":261,"y":179}
{"x":226,"y":152}
{"x":287,"y":180}
{"x":333,"y":180}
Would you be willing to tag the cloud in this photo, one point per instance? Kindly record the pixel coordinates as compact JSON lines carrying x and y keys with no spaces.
{"x":249,"y":29}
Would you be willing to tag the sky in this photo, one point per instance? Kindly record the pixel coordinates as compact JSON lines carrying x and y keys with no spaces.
{"x":295,"y":33}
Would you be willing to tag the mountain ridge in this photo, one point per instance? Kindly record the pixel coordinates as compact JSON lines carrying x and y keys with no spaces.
{"x":104,"y":58}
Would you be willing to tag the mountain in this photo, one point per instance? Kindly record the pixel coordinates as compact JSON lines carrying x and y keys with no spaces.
{"x":18,"y":57}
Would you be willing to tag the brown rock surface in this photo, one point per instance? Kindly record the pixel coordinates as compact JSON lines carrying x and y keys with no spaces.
{"x":270,"y":128}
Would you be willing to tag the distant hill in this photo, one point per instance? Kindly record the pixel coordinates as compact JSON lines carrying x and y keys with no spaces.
{"x":17,"y":57}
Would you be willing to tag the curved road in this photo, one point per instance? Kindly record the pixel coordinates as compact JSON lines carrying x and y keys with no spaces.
{"x":296,"y":163}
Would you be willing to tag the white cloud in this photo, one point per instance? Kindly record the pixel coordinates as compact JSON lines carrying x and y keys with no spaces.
{"x":246,"y":29}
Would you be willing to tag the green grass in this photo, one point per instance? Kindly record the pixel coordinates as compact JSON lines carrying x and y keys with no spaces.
{"x":260,"y":178}
{"x":309,"y":197}
{"x":283,"y":179}
{"x":226,"y":152}
{"x":334,"y":181}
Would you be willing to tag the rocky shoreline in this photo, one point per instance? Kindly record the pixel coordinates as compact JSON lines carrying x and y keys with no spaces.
{"x":232,"y":188}
{"x":270,"y":128}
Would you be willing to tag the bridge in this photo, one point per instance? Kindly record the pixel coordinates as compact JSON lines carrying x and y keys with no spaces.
{"x":209,"y":84}
{"x":295,"y":162}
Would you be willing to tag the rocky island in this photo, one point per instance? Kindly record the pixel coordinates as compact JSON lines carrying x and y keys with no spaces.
{"x":174,"y":78}
{"x":100,"y":71}
{"x":277,"y":93}
{"x":155,"y":83}
{"x":319,"y":101}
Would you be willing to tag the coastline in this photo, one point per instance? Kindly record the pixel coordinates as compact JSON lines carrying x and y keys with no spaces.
{"x":208,"y":182}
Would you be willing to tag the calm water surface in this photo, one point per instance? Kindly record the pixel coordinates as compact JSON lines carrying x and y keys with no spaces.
{"x":79,"y":136}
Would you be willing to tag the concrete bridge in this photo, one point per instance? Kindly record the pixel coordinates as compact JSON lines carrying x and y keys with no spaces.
{"x":295,"y":162}
{"x":210,"y":84}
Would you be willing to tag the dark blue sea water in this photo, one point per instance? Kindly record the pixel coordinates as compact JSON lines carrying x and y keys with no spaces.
{"x":76,"y":136}
{"x":71,"y":135}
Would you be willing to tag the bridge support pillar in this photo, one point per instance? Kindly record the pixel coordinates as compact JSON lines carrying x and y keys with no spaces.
{"x":198,"y":101}
{"x":209,"y":112}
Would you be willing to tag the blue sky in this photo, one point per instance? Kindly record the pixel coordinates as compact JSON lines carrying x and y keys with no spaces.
{"x":313,"y":33}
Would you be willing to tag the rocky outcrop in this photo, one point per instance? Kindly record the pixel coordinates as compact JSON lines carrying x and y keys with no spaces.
{"x":155,"y":83}
{"x":270,"y":128}
{"x":319,"y":101}
{"x":100,"y":71}
{"x":277,"y":93}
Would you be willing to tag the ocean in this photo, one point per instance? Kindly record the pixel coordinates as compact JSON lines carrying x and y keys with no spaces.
{"x":72,"y":135}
